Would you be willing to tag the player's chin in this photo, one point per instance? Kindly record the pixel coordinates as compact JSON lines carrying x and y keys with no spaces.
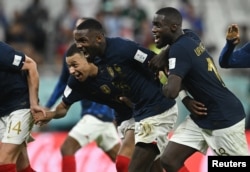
{"x":159,"y":45}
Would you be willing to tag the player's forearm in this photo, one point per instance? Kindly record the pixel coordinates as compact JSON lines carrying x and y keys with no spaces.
{"x":60,"y":111}
{"x":33,"y":83}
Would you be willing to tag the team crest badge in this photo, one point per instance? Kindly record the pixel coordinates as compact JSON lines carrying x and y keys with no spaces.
{"x":105,"y":89}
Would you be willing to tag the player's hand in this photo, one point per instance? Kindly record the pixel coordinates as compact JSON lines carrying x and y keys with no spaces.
{"x":40,"y":119}
{"x":233,"y":34}
{"x":36,"y":109}
{"x":194,"y":106}
{"x":127,"y":101}
{"x":159,"y":61}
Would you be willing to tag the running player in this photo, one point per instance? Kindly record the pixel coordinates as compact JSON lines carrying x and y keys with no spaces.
{"x":190,"y":65}
{"x":127,"y":63}
{"x":18,"y":101}
{"x":101,"y":119}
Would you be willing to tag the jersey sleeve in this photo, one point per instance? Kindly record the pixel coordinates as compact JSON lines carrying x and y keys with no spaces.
{"x":239,"y":58}
{"x":71,"y":93}
{"x":10,"y":59}
{"x":137,"y":53}
{"x":226,"y":55}
{"x":179,"y":61}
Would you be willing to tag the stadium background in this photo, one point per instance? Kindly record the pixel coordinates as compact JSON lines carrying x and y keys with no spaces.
{"x":215,"y":16}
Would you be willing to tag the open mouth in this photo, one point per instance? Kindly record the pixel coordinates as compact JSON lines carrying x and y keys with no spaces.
{"x":77,"y":76}
{"x":157,"y":39}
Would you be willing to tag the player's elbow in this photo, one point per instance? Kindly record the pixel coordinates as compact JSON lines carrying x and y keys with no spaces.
{"x":168,"y":93}
{"x":222,"y":64}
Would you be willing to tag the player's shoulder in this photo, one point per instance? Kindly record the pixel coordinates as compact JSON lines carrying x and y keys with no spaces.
{"x":120,"y":41}
{"x":191,"y":34}
{"x":5,"y":48}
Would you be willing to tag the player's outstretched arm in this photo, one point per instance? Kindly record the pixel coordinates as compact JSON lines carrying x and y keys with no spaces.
{"x":60,"y":111}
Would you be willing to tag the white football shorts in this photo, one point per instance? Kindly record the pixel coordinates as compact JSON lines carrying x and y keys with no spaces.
{"x":155,"y":129}
{"x":90,"y":129}
{"x":227,"y":141}
{"x":16,"y":127}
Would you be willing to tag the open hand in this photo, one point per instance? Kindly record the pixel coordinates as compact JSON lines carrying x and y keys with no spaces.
{"x":194,"y":106}
{"x":233,"y":34}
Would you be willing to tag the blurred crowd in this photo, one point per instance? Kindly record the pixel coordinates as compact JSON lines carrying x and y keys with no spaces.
{"x":33,"y":31}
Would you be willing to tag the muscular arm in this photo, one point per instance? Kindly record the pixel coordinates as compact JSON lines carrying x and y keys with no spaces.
{"x":30,"y":66}
{"x":173,"y":86}
{"x":172,"y":90}
{"x":60,"y":111}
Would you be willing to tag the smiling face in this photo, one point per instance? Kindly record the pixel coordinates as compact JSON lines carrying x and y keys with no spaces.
{"x":89,"y":41}
{"x":79,"y":67}
{"x":162,"y":31}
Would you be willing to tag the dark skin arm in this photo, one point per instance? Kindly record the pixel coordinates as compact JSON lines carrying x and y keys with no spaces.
{"x":60,"y":112}
{"x":171,"y":90}
{"x":159,"y":64}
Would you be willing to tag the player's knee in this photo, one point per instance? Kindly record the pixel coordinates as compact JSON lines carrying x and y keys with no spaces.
{"x":69,"y":147}
{"x":167,"y":163}
{"x":63,"y":149}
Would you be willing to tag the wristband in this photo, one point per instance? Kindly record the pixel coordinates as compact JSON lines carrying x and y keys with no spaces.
{"x":183,"y":94}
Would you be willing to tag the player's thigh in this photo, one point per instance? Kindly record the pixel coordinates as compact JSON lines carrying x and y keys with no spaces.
{"x":228,"y":141}
{"x":108,"y":137}
{"x":86,"y":130}
{"x":112,"y":153}
{"x":190,"y":135}
{"x":143,"y":157}
{"x":15,"y":132}
{"x":9,"y":152}
{"x":18,"y":127}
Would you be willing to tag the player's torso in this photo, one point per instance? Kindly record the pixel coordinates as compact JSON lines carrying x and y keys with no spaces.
{"x":128,"y":73}
{"x":203,"y":81}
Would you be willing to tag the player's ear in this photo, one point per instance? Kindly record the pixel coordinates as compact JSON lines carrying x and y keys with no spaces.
{"x":99,"y":37}
{"x":174,"y":27}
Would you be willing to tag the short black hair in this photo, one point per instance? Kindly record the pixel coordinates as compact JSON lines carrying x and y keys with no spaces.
{"x":72,"y":50}
{"x":92,"y":24}
{"x":171,"y":14}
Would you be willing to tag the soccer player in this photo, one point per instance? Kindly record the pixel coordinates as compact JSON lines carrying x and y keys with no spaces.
{"x":192,"y":67}
{"x":77,"y":90}
{"x":105,"y":83}
{"x":96,"y":118}
{"x":127,"y":63}
{"x":18,"y":102}
{"x":239,"y":58}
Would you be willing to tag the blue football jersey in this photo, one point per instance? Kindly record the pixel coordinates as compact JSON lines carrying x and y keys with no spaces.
{"x":189,"y":59}
{"x":13,"y":85}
